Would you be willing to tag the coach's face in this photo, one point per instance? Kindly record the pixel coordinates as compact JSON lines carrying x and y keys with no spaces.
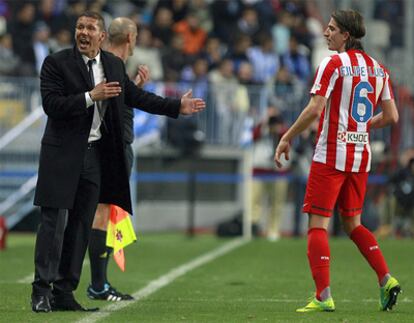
{"x":335,"y":38}
{"x":89,"y":36}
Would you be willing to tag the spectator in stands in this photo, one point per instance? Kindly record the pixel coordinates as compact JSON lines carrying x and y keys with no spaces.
{"x":146,"y":54}
{"x":231,"y":101}
{"x":179,"y":8}
{"x":296,"y":60}
{"x":281,"y":32}
{"x":174,"y":59}
{"x":225,"y":15}
{"x":238,"y":52}
{"x":195,"y":76}
{"x":403,"y":190}
{"x":254,"y":90}
{"x":41,"y":45}
{"x":3,"y":24}
{"x":48,"y":12}
{"x":284,"y":82}
{"x":99,"y":6}
{"x":287,"y":89}
{"x":264,"y":60}
{"x":270,"y":185}
{"x":125,"y":8}
{"x":381,"y":195}
{"x":214,"y":52}
{"x":245,"y":73}
{"x":194,"y":36}
{"x":9,"y":63}
{"x":248,"y":24}
{"x":201,"y":8}
{"x":302,"y":33}
{"x":266,"y":12}
{"x":295,"y":7}
{"x":67,"y":19}
{"x":161,"y":27}
{"x":393,"y":13}
{"x":21,"y":31}
{"x":62,"y":39}
{"x":4,"y":8}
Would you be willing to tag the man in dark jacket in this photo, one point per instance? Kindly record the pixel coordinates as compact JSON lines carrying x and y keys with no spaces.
{"x":82,"y":159}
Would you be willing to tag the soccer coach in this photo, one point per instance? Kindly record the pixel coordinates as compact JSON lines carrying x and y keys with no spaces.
{"x":82,"y":159}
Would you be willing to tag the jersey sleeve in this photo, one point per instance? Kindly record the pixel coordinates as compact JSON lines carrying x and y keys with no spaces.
{"x":325,"y":78}
{"x":387,"y":93}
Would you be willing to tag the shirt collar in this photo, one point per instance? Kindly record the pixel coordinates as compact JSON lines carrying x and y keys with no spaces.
{"x":97,"y":58}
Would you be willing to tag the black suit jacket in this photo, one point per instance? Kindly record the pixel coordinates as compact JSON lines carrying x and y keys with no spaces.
{"x":63,"y":81}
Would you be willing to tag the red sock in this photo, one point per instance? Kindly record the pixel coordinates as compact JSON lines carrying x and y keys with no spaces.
{"x":319,"y":256}
{"x":368,"y":246}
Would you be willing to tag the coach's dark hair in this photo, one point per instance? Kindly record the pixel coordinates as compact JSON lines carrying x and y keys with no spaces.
{"x":94,"y":15}
{"x":352,"y":22}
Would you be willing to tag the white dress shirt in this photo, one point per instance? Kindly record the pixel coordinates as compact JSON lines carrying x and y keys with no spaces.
{"x":98,"y":74}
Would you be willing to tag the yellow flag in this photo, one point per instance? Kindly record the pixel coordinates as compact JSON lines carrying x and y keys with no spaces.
{"x":120,"y":233}
{"x":119,"y":258}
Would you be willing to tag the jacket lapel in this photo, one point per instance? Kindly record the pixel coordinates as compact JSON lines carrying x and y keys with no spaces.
{"x":108,"y":71}
{"x":106,"y":66}
{"x":82,"y":67}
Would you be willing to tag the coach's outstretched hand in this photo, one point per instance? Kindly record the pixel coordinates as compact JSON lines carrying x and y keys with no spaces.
{"x":190,"y":105}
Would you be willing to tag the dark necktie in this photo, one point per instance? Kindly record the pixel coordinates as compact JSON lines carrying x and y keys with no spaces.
{"x":90,"y":70}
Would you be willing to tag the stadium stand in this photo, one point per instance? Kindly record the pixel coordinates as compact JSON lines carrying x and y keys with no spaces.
{"x":221,"y":25}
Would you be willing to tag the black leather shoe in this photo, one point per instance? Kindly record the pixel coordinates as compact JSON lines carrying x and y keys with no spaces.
{"x":40,"y":303}
{"x":69,"y":305}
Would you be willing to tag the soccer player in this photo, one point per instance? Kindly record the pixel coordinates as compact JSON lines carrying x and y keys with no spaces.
{"x":347,"y":88}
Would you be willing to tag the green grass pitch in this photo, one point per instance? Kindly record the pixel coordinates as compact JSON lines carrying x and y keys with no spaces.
{"x":259,"y":281}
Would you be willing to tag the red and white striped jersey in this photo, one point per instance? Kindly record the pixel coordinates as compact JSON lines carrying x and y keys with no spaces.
{"x":354,"y":83}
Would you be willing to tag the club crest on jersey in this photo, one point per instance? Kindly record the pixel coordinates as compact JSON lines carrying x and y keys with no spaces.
{"x":353,"y":137}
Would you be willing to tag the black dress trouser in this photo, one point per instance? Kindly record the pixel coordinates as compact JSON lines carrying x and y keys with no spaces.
{"x":63,"y":235}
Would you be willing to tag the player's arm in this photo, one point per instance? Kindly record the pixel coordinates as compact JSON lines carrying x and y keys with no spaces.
{"x":388,"y":115}
{"x":311,"y":112}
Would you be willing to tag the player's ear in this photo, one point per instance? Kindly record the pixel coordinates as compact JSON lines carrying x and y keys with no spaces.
{"x":346,"y":35}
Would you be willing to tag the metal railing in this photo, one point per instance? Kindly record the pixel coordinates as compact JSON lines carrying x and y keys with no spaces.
{"x":225,"y":123}
{"x":21,"y":125}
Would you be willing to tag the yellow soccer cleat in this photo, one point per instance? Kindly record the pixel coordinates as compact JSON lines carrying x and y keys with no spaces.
{"x":389,"y":294}
{"x":318,"y":306}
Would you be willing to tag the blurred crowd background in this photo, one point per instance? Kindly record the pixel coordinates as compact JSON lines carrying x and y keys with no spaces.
{"x":251,"y":60}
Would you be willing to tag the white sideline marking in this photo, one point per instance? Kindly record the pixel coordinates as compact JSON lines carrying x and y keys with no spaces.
{"x":26,"y":280}
{"x":164,"y":280}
